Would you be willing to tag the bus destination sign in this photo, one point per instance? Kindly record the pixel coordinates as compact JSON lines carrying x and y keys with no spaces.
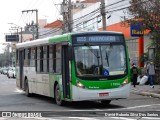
{"x":97,"y":39}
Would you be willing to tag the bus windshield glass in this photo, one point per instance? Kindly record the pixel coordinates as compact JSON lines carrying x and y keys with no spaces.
{"x":100,"y":60}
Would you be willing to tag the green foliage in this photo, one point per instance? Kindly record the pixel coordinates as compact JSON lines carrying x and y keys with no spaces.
{"x":2,"y":60}
{"x":148,"y":13}
{"x":139,"y":70}
{"x":144,"y":57}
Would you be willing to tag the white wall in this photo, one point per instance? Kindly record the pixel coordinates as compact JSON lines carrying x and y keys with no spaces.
{"x":116,"y":16}
{"x":85,"y":22}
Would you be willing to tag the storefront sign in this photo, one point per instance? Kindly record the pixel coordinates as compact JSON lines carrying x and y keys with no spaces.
{"x":136,"y":30}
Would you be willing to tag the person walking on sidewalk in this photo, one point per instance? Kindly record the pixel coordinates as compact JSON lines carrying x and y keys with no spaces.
{"x":151,"y":73}
{"x":134,"y":73}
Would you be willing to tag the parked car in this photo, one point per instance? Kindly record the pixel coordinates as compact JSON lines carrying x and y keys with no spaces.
{"x":5,"y":71}
{"x":11,"y":73}
{"x":1,"y":70}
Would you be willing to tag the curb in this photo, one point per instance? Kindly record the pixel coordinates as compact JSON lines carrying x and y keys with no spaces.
{"x":146,"y":94}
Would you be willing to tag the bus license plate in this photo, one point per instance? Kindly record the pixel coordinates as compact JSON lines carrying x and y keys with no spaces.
{"x":103,"y":94}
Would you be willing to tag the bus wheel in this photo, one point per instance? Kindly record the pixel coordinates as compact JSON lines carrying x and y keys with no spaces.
{"x":57,"y":96}
{"x":105,"y":102}
{"x":27,"y":89}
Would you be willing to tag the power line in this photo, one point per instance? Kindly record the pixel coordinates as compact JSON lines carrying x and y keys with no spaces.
{"x":51,"y":32}
{"x":87,"y":20}
{"x":99,"y":9}
{"x":87,"y":15}
{"x":95,"y":16}
{"x":56,"y":6}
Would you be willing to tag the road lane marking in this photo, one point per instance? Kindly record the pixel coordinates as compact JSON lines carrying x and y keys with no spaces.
{"x":152,"y":118}
{"x":121,"y":118}
{"x":141,"y":106}
{"x":83,"y":118}
{"x":1,"y":118}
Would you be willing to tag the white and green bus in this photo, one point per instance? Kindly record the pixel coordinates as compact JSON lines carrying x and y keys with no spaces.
{"x":85,"y":66}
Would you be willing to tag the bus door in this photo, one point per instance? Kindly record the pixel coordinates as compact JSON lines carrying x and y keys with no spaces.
{"x":21,"y":63}
{"x":65,"y":72}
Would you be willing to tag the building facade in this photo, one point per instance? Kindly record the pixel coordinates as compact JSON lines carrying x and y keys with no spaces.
{"x":89,"y":19}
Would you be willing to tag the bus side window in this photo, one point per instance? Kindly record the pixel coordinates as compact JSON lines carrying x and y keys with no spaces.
{"x":58,"y":58}
{"x":45,"y":59}
{"x":29,"y":56}
{"x":38,"y":59}
{"x":51,"y":58}
{"x":41,"y":59}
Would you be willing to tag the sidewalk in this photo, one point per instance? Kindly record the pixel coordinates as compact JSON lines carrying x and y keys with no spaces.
{"x":146,"y":90}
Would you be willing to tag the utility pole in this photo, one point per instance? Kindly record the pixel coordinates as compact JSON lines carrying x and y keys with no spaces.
{"x":36,"y":25}
{"x":67,"y":16}
{"x":70,"y":23}
{"x":21,"y":34}
{"x":103,"y":14}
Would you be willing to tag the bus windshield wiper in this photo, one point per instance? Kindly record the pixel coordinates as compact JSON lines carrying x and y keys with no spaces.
{"x":107,"y":59}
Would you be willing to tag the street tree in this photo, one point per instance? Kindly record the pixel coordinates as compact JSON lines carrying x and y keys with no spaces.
{"x":147,"y":12}
{"x":2,"y":60}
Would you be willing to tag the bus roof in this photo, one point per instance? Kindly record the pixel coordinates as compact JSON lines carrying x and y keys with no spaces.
{"x":60,"y":38}
{"x":96,"y":32}
{"x":32,"y":43}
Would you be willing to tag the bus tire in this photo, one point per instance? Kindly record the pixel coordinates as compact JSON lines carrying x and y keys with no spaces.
{"x":27,"y":89}
{"x":105,"y":102}
{"x":57,"y":96}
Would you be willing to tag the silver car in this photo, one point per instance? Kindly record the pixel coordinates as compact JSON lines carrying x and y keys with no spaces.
{"x":11,"y":72}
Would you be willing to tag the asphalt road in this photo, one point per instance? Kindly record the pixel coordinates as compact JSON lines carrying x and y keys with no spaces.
{"x":14,"y":100}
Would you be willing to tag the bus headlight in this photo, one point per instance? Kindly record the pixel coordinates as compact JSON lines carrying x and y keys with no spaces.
{"x":124,"y":82}
{"x":80,"y":85}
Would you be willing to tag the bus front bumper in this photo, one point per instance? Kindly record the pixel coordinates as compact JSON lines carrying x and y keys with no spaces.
{"x":80,"y":94}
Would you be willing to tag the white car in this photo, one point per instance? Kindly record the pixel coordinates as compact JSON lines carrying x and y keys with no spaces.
{"x":11,"y":73}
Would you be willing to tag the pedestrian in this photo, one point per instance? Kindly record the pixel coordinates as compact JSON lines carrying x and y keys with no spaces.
{"x":134,"y":74}
{"x":151,"y":73}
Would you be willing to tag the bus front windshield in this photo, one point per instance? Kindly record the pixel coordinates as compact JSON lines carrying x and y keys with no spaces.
{"x":102,"y":60}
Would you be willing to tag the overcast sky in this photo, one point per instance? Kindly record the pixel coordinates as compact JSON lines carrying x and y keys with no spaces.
{"x":11,"y":12}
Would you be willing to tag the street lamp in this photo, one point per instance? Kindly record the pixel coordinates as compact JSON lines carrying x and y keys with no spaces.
{"x":17,"y":29}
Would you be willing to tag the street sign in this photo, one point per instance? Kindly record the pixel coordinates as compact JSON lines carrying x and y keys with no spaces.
{"x":136,"y":30}
{"x":12,"y":38}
